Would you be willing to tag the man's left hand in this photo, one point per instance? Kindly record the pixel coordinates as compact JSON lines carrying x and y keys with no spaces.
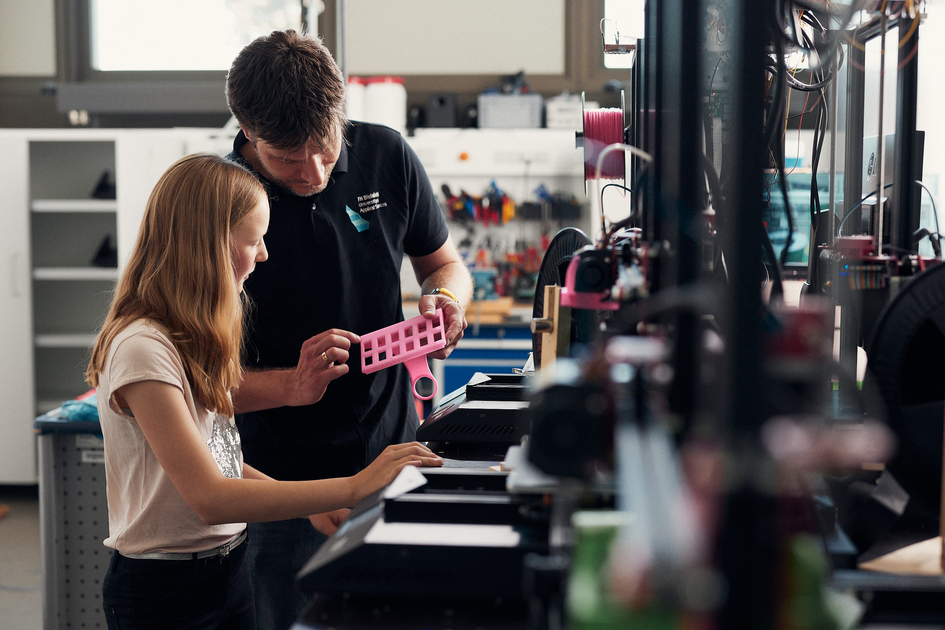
{"x":454,"y":319}
{"x":329,"y":522}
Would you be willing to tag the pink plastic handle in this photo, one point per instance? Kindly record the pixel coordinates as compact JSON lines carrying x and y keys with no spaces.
{"x":419,"y":368}
{"x":407,"y":342}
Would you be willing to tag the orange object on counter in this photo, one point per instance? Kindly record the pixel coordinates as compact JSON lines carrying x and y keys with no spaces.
{"x":508,"y":210}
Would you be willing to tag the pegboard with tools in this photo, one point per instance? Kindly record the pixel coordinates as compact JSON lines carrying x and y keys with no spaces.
{"x":505,"y":193}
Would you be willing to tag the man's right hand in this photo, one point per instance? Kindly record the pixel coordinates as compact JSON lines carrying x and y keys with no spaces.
{"x":322,"y":359}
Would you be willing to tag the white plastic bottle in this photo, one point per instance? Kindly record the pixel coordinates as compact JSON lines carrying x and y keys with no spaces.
{"x":385,"y":102}
{"x":354,"y":98}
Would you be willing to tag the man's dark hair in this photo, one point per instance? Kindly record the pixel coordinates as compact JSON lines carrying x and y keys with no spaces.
{"x":285,"y":88}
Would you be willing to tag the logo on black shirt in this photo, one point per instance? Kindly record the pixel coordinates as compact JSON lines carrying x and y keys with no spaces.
{"x":356,"y":220}
{"x":366,"y":203}
{"x":370,"y":202}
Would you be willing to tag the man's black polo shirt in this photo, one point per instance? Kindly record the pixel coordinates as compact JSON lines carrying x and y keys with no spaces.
{"x":334,"y":262}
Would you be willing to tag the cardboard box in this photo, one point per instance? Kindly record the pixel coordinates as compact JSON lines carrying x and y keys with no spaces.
{"x":510,"y":111}
{"x":566,"y":113}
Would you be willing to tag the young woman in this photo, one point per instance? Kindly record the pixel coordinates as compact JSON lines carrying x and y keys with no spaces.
{"x":165,"y":363}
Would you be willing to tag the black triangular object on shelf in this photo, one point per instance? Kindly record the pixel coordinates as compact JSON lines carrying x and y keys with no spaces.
{"x":107,"y":254}
{"x":105,"y":188}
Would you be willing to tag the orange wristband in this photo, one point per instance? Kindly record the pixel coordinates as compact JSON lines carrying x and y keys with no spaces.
{"x":446,"y":292}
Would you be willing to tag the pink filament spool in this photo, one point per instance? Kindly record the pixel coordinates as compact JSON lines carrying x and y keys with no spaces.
{"x":603,"y":127}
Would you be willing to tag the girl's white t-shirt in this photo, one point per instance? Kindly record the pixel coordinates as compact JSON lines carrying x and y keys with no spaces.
{"x":146,"y":513}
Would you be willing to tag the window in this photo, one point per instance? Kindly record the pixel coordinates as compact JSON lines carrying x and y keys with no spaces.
{"x":138,"y":63}
{"x":622,"y":24}
{"x":170,"y":35}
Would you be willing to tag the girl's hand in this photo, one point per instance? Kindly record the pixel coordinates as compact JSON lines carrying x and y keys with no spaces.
{"x":388,"y":465}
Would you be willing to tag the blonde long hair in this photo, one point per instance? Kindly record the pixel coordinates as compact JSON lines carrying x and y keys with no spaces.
{"x":180,"y":274}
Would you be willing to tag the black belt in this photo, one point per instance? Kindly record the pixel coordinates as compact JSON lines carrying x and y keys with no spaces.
{"x":223,"y":550}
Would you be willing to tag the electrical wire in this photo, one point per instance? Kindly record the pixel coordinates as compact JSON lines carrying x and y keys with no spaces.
{"x":823,"y":80}
{"x":716,"y":29}
{"x":932,"y":199}
{"x":778,"y":287}
{"x":616,"y":30}
{"x":819,"y":80}
{"x":843,"y":16}
{"x":938,"y":230}
{"x":712,"y":180}
{"x":787,"y":109}
{"x":627,"y":220}
{"x":853,"y":209}
{"x":610,"y":148}
{"x":801,"y":40}
{"x":711,"y":81}
{"x":778,"y":151}
{"x":777,"y":100}
{"x":603,"y":35}
{"x":823,"y":72}
{"x":808,"y":111}
{"x":820,"y":125}
{"x":820,"y":135}
{"x":708,"y":143}
{"x":799,"y":85}
{"x":764,"y":284}
{"x":800,"y":124}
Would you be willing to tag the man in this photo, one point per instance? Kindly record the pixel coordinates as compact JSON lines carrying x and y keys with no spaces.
{"x":349,"y":200}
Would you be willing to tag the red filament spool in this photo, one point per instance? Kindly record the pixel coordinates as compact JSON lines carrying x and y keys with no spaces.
{"x":603,"y":127}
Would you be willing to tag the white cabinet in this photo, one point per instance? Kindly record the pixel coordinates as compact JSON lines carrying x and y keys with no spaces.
{"x":17,"y":444}
{"x":55,"y":294}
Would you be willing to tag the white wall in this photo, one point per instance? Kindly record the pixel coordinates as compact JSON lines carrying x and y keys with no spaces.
{"x":27,"y":38}
{"x":455,"y":37}
{"x":932,"y":98}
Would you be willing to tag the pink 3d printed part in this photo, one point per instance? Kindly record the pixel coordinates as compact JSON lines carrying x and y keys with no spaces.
{"x":408,"y":342}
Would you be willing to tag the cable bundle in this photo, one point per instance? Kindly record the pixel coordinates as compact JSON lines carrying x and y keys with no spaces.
{"x":603,"y":127}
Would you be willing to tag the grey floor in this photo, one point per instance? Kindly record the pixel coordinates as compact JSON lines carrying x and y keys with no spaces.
{"x":21,"y":572}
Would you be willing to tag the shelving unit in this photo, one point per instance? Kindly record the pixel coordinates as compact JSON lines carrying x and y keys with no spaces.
{"x":53,"y":298}
{"x":73,"y":205}
{"x":70,"y":291}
